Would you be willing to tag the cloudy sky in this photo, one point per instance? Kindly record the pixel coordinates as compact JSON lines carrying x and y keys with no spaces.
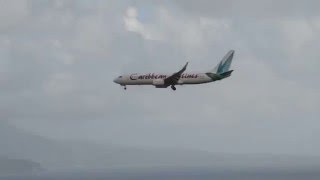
{"x":58,"y":59}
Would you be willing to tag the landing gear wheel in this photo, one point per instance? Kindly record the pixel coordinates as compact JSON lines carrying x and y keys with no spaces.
{"x":173,"y":88}
{"x":125,"y":87}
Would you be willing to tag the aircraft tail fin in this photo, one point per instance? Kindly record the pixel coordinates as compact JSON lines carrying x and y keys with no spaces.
{"x":224,"y":65}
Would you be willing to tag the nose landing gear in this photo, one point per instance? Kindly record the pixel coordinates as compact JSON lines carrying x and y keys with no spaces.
{"x":173,"y":87}
{"x":124,"y":87}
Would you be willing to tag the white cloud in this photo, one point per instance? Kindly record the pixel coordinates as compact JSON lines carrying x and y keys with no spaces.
{"x":133,"y":24}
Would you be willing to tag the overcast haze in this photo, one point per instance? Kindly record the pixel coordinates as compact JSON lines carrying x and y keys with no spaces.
{"x":58,"y":60}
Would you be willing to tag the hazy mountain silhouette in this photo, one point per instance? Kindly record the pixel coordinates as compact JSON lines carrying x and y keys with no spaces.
{"x":18,"y":166}
{"x":19,"y":144}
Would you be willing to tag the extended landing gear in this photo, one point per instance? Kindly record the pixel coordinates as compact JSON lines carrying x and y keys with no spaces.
{"x":173,"y":87}
{"x":124,"y":87}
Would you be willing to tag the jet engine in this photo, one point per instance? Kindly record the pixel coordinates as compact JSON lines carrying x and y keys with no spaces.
{"x":180,"y":82}
{"x":158,"y":82}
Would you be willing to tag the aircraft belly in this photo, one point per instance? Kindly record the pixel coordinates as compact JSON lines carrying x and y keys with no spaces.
{"x":140,"y":82}
{"x":195,"y":81}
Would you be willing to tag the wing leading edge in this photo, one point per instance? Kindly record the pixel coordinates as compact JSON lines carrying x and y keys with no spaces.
{"x":174,"y":78}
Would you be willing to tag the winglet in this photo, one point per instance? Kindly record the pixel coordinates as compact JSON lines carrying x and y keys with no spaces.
{"x":185,"y":66}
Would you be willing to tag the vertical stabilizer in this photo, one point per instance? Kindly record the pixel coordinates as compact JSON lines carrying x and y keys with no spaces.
{"x":224,"y":64}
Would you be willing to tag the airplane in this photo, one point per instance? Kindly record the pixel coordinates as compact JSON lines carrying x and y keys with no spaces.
{"x":221,"y":71}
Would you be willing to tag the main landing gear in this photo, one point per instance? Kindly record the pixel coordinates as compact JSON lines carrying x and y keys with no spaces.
{"x":173,"y":87}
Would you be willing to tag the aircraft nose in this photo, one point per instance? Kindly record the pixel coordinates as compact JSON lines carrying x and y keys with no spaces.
{"x":116,"y":80}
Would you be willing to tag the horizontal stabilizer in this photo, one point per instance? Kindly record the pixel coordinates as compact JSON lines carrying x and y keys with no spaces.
{"x":226,"y":74}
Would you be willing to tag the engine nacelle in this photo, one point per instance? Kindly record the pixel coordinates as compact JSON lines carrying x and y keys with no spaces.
{"x":180,"y":82}
{"x":158,"y":82}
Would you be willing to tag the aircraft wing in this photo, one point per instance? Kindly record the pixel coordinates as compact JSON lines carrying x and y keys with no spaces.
{"x":174,"y":78}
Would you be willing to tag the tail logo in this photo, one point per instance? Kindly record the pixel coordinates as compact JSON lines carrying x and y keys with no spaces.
{"x":225,"y":64}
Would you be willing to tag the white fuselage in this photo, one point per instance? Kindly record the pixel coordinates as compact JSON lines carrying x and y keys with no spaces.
{"x":159,"y":80}
{"x":152,"y":78}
